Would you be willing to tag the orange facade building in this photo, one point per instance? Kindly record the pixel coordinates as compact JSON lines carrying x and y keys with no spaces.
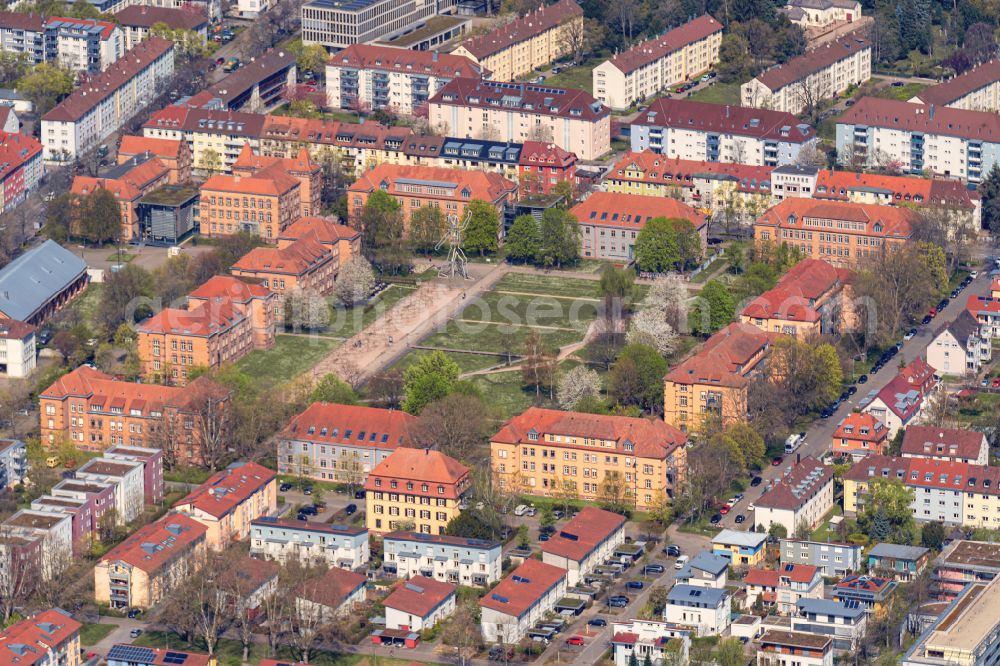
{"x":301,"y":167}
{"x":129,"y":181}
{"x":94,"y":411}
{"x":860,"y":434}
{"x":225,"y":320}
{"x":451,"y":190}
{"x":262,"y":206}
{"x":346,"y":240}
{"x":175,"y":154}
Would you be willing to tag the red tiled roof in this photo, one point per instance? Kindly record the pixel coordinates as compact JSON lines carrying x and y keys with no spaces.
{"x":297,"y":258}
{"x":145,"y":16}
{"x":739,"y":120}
{"x":86,"y":382}
{"x":653,"y":49}
{"x":372,"y":57}
{"x":332,"y":423}
{"x":12,"y":329}
{"x":129,"y":186}
{"x":235,"y":85}
{"x":205,"y":320}
{"x":625,"y":638}
{"x":248,"y":575}
{"x":489,"y":187}
{"x":326,"y":231}
{"x":858,"y":421}
{"x":583,"y":534}
{"x":762,"y":578}
{"x":879,"y":221}
{"x":976,"y":305}
{"x":27,"y":642}
{"x":261,"y":165}
{"x":368,"y":135}
{"x":632,"y":211}
{"x":724,"y":358}
{"x":928,"y":440}
{"x":227,"y":489}
{"x":22,"y":21}
{"x":548,"y":154}
{"x":659,"y":170}
{"x":16,"y":150}
{"x":795,"y":296}
{"x":522,"y":28}
{"x":519,"y":591}
{"x":137,"y":145}
{"x":275,"y":185}
{"x":926,"y":473}
{"x":230,"y":288}
{"x":332,"y":588}
{"x":907,"y":117}
{"x":207,"y":121}
{"x":530,"y":99}
{"x":813,"y":60}
{"x":419,"y":595}
{"x":796,"y":487}
{"x":146,"y":549}
{"x":959,"y":86}
{"x":798,"y":573}
{"x":107,"y":27}
{"x":420,"y":466}
{"x":651,"y":438}
{"x":102,"y":86}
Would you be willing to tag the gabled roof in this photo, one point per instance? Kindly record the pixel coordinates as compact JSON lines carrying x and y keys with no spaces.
{"x":146,"y":16}
{"x":813,"y":60}
{"x":208,"y":121}
{"x":729,"y":537}
{"x":540,"y":153}
{"x":420,"y":466}
{"x":29,"y":22}
{"x":419,"y":596}
{"x":227,"y":489}
{"x":928,"y":440}
{"x":796,"y":295}
{"x":522,"y":97}
{"x":658,"y":169}
{"x":583,"y":534}
{"x":326,"y":231}
{"x":297,"y":258}
{"x":85,"y":382}
{"x":632,"y":211}
{"x":874,"y":220}
{"x":137,"y":145}
{"x":486,"y":186}
{"x":332,"y":588}
{"x":725,"y":358}
{"x":522,"y":28}
{"x":155,"y":544}
{"x":793,"y":490}
{"x":129,"y":181}
{"x":28,"y":641}
{"x":405,"y":61}
{"x":16,"y":149}
{"x":706,"y":561}
{"x":522,"y":589}
{"x":205,"y":320}
{"x":367,"y":135}
{"x":333,"y":423}
{"x":229,"y":288}
{"x":275,"y":185}
{"x":957,"y":87}
{"x":34,"y":278}
{"x":739,"y":120}
{"x":653,"y":49}
{"x":236,"y":85}
{"x":962,"y":327}
{"x":923,"y":118}
{"x":861,"y":426}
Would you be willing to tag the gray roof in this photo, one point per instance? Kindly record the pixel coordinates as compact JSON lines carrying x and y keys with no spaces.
{"x":36,"y":277}
{"x":962,"y":328}
{"x":709,"y":596}
{"x":738,"y":538}
{"x":796,"y":170}
{"x":898,"y":552}
{"x":705,"y":561}
{"x":850,"y":609}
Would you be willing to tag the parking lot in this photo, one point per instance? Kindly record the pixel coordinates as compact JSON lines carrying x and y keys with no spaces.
{"x":311,"y":502}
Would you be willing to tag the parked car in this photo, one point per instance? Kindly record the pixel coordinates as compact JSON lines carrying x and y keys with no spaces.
{"x":897,"y":84}
{"x":756,"y":481}
{"x":597,"y":622}
{"x":777,"y":461}
{"x":851,"y":390}
{"x":574,"y":640}
{"x":618,"y":601}
{"x":995,"y":383}
{"x":544,"y":537}
{"x":653,"y":569}
{"x":672,"y":551}
{"x":863,"y":379}
{"x":926,"y":320}
{"x":634,"y":585}
{"x":285,"y":487}
{"x":134,"y":613}
{"x":558,"y":514}
{"x":740,"y":519}
{"x":716,"y":519}
{"x":135,"y":633}
{"x":351,"y":509}
{"x":909,"y":334}
{"x":725,"y":509}
{"x":973,"y":275}
{"x":307,"y":490}
{"x":359,"y":494}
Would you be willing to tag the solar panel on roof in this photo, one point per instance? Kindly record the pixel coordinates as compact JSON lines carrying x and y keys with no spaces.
{"x":500,"y":598}
{"x":414,"y":588}
{"x":175,"y":657}
{"x":132,"y":653}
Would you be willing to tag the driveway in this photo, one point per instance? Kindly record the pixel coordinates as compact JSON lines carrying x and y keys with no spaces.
{"x":820,"y":435}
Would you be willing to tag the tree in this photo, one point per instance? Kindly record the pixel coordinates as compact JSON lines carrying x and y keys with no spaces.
{"x":381,"y":224}
{"x":331,"y":389}
{"x":60,"y":216}
{"x":989,"y":189}
{"x":617,"y":287}
{"x":650,"y":327}
{"x":885,"y":514}
{"x":637,"y":377}
{"x":730,"y":653}
{"x":462,"y":631}
{"x":482,"y":232}
{"x":894,"y":286}
{"x":45,"y":85}
{"x":667,"y":244}
{"x":126,"y":297}
{"x":804,"y":375}
{"x":980,"y":42}
{"x":356,"y":281}
{"x":455,"y":424}
{"x":306,"y":309}
{"x":213,"y":420}
{"x":713,"y":309}
{"x":387,"y":389}
{"x":100,"y":217}
{"x":932,"y":535}
{"x":576,"y":385}
{"x":777,"y":530}
{"x":534,"y":362}
{"x":614,"y":494}
{"x":579,"y":37}
{"x":427,"y":225}
{"x":210,"y":161}
{"x":430,"y":378}
{"x":66,"y":344}
{"x":734,"y":61}
{"x":559,"y":235}
{"x":312,"y":58}
{"x":524,"y":240}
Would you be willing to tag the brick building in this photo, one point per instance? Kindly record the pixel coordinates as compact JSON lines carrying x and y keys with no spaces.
{"x":174,"y":154}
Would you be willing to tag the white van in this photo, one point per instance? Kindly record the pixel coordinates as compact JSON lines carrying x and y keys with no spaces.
{"x":794,"y":441}
{"x":681,"y":561}
{"x":520,"y":510}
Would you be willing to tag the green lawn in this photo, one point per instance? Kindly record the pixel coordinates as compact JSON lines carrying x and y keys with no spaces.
{"x":703,"y":276}
{"x":548,"y":285}
{"x":86,"y":305}
{"x":124,"y":258}
{"x":467,"y":362}
{"x":902,"y":93}
{"x":717,"y":93}
{"x":956,"y":278}
{"x":506,"y":394}
{"x":91,"y":634}
{"x":475,"y":336}
{"x":537,"y":310}
{"x":348,"y":321}
{"x":290,"y":356}
{"x":580,"y":77}
{"x":824,"y":531}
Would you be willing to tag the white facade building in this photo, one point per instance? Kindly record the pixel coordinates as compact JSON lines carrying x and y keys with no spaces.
{"x":13,"y":461}
{"x":449,"y":559}
{"x":84,"y":45}
{"x":778,"y":648}
{"x":646,"y":637}
{"x":822,"y":13}
{"x":844,"y":622}
{"x":584,"y":542}
{"x":705,"y":609}
{"x":56,"y":531}
{"x":803,"y":495}
{"x":126,"y":476}
{"x":310,"y":543}
{"x":419,"y":604}
{"x":960,"y":348}
{"x":17,"y":348}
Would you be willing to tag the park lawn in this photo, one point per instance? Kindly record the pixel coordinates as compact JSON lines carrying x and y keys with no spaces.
{"x":717,"y":93}
{"x":92,"y":634}
{"x":475,"y":336}
{"x":580,"y":77}
{"x":290,"y":356}
{"x":537,"y":310}
{"x":506,"y":394}
{"x":87,"y":303}
{"x":125,"y":258}
{"x":345,"y":322}
{"x":902,"y":93}
{"x":548,"y":285}
{"x":467,"y":362}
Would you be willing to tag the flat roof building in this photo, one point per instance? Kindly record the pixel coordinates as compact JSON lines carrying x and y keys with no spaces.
{"x":966,"y":634}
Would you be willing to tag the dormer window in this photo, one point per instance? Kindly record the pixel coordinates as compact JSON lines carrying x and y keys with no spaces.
{"x":532,"y":435}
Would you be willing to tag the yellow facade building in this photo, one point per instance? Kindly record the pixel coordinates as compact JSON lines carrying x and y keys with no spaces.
{"x":415,"y":489}
{"x":553,"y":453}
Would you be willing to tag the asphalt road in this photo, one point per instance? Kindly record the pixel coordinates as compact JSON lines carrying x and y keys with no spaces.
{"x":820,"y":434}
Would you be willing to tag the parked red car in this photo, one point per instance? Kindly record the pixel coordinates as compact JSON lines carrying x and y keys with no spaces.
{"x":777,"y":461}
{"x":995,"y":383}
{"x":574,"y":640}
{"x":725,"y":509}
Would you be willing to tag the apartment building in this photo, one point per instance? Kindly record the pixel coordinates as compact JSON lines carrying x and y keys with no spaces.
{"x":55,"y":533}
{"x":520,"y":600}
{"x":144,"y":568}
{"x":859,"y":434}
{"x":304,"y":265}
{"x":124,"y":654}
{"x":919,"y":138}
{"x":541,"y":166}
{"x":419,"y":604}
{"x":136,"y":21}
{"x":963,"y":562}
{"x":977,"y":89}
{"x":40,"y":282}
{"x":458,"y":560}
{"x":901,"y":402}
{"x":301,"y":167}
{"x":821,"y":13}
{"x":705,"y":569}
{"x":225,"y":319}
{"x":536,"y":452}
{"x":17,"y":348}
{"x":97,"y":109}
{"x":49,"y":638}
{"x":958,"y":444}
{"x":843,"y":622}
{"x":840,"y":233}
{"x":13,"y":462}
{"x":215,"y":137}
{"x":83,"y":530}
{"x":821,"y":73}
{"x":151,"y":460}
{"x":778,"y":647}
{"x":519,"y":112}
{"x":84,"y":45}
{"x":421,"y":488}
{"x":174,"y":154}
{"x":713,"y":383}
{"x":337,"y":25}
{"x":635,"y":639}
{"x":309,"y":543}
{"x":529,"y":42}
{"x":584,"y":542}
{"x":21,"y":168}
{"x":703,"y":609}
{"x":97,"y":499}
{"x":657,"y":63}
{"x":985,"y":309}
{"x":358,"y":147}
{"x":258,"y":86}
{"x":871,"y":592}
{"x":128,"y":182}
{"x":903,"y":563}
{"x":331,"y":595}
{"x":230,"y":500}
{"x":368,"y":76}
{"x":811,"y":299}
{"x":960,"y":347}
{"x":782,"y":588}
{"x":126,"y":476}
{"x":611,"y":221}
{"x":262,"y":206}
{"x":23,"y":33}
{"x":340,"y":240}
{"x":965,"y":634}
{"x":720,"y":133}
{"x":450,"y":190}
{"x":342,"y":443}
{"x":833,"y":559}
{"x":803,"y":495}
